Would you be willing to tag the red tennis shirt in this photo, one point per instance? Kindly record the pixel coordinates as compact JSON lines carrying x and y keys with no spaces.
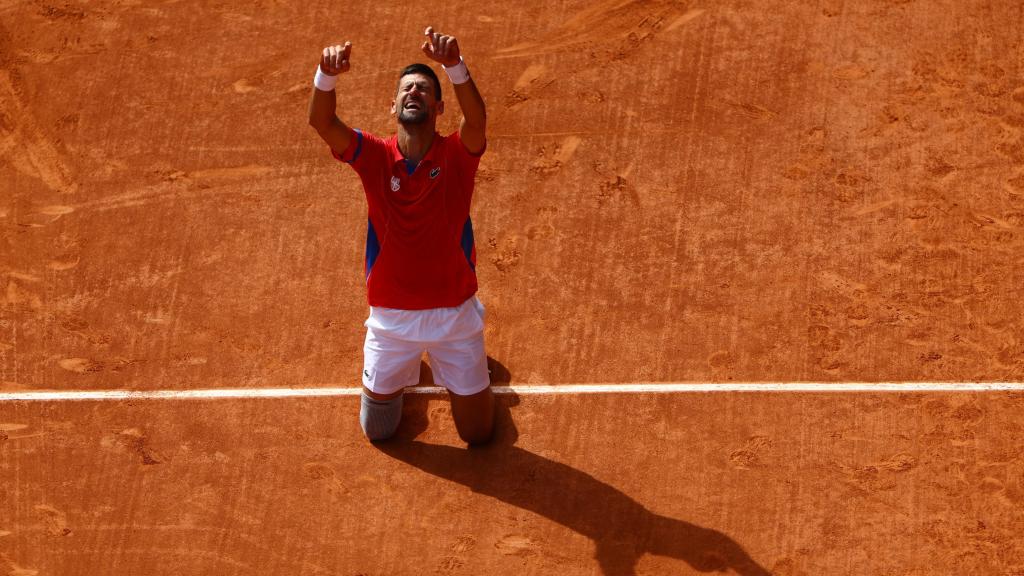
{"x":420,"y":251}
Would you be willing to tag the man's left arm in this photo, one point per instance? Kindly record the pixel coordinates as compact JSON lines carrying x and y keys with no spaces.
{"x":445,"y":50}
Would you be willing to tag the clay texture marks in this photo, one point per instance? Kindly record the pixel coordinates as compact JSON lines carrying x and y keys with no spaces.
{"x":793,"y":483}
{"x":672,"y":193}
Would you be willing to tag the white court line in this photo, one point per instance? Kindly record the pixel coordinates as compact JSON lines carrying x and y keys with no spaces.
{"x":665,"y":388}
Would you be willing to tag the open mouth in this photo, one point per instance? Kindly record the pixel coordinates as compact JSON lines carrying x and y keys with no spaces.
{"x":413,"y":106}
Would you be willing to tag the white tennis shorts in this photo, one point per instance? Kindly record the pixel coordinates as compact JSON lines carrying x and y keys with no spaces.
{"x":453,"y":339}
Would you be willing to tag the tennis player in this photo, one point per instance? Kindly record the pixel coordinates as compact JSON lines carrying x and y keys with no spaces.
{"x":420,"y":253}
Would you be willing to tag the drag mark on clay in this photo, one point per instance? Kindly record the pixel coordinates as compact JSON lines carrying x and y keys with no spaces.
{"x":17,"y":294}
{"x":179,"y":185}
{"x":243,"y":86}
{"x":62,"y":264}
{"x":517,"y":545}
{"x":56,"y":210}
{"x":190,"y":552}
{"x":209,"y":177}
{"x":987,"y":220}
{"x":231,"y":173}
{"x":44,"y":215}
{"x":14,"y":431}
{"x":616,"y":29}
{"x":871,"y":208}
{"x":30,"y":152}
{"x":24,"y":276}
{"x":159,"y":192}
{"x":14,"y":569}
{"x":86,"y":365}
{"x":530,"y":81}
{"x":532,"y":73}
{"x":850,"y":72}
{"x":752,"y":111}
{"x":684,"y":18}
{"x":554,"y":134}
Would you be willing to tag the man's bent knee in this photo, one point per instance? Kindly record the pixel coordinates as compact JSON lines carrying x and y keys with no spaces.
{"x":379,"y":418}
{"x":474,"y":416}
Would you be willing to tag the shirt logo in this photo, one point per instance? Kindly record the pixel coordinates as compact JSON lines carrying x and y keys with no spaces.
{"x":395,"y":183}
{"x":435,"y":172}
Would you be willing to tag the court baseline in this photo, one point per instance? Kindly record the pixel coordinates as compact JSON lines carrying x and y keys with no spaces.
{"x":653,"y":388}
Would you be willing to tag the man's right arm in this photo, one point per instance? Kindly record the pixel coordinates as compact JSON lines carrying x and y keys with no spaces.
{"x":322,"y":105}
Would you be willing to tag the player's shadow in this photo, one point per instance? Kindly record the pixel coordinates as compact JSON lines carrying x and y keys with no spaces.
{"x":621,"y":528}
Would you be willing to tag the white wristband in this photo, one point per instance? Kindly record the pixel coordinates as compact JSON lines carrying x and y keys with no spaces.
{"x":458,"y":74}
{"x":323,"y":81}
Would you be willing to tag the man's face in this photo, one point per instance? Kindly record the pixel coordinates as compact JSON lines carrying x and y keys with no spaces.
{"x":415,"y":102}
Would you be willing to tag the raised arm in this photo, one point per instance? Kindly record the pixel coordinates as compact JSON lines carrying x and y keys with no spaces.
{"x":322,"y":105}
{"x":445,"y":50}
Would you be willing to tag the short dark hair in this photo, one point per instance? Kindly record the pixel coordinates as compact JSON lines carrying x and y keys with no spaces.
{"x":427,"y":71}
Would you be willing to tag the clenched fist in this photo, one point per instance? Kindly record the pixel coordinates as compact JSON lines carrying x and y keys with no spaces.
{"x":335,"y":59}
{"x":441,"y":48}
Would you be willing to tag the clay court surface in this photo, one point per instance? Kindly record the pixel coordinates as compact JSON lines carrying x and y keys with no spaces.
{"x":673,"y":193}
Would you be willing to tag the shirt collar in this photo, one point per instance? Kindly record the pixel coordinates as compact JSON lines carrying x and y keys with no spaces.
{"x":396,"y":154}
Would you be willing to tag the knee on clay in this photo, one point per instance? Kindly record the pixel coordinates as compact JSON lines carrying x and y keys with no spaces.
{"x":477,"y":437}
{"x":379,"y":418}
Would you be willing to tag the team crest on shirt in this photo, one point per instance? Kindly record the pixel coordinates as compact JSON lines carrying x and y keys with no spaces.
{"x":395,"y":183}
{"x":435,"y":172}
